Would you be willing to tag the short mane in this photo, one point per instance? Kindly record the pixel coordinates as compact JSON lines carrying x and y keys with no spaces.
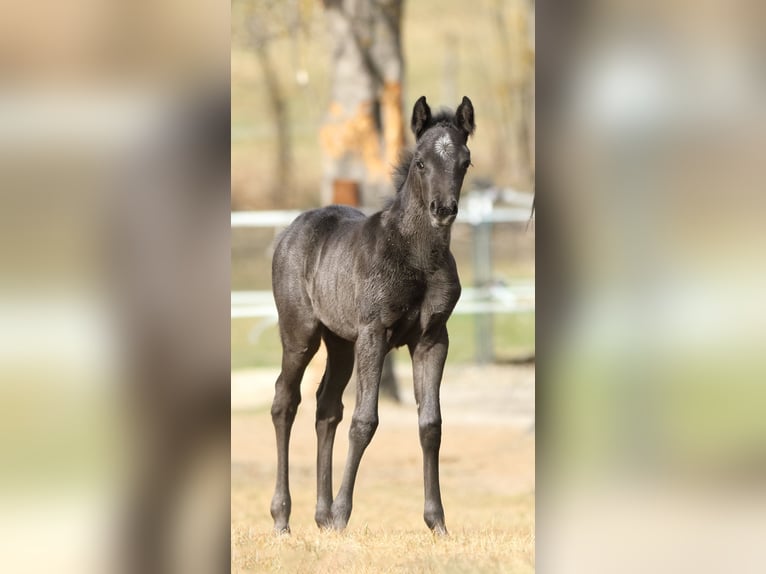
{"x":402,"y":168}
{"x":444,"y":117}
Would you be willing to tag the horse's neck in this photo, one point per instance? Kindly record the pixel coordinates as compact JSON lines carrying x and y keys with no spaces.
{"x":423,"y":242}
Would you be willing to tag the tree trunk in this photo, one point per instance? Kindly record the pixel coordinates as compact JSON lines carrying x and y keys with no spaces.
{"x":279,"y":114}
{"x":363,"y":133}
{"x":258,"y":38}
{"x":511,"y":20}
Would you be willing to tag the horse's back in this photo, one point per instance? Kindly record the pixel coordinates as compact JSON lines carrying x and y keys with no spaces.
{"x":303,"y":248}
{"x":309,"y":230}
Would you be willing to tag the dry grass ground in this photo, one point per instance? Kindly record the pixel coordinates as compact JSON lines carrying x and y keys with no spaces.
{"x":487,"y":471}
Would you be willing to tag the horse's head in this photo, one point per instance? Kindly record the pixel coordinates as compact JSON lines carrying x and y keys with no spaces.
{"x":441,"y":158}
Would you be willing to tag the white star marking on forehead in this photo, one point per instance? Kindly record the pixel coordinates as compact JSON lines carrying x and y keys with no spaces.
{"x":444,"y":147}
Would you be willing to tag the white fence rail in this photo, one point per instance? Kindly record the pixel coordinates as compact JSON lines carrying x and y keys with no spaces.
{"x":477,"y":209}
{"x":518,"y":297}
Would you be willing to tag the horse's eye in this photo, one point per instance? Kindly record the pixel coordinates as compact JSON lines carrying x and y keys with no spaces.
{"x":420,"y":164}
{"x":466,"y":164}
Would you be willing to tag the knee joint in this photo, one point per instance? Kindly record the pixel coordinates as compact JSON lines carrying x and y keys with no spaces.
{"x":362,"y":430}
{"x":285,"y":407}
{"x":329,"y":414}
{"x":430,"y":433}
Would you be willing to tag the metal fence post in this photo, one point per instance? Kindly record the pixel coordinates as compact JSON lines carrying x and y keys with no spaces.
{"x":480,"y":208}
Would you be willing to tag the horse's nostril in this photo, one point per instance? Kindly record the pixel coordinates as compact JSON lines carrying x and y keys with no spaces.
{"x":443,"y":210}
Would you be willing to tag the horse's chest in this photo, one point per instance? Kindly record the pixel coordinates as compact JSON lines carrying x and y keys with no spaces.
{"x":418,"y":310}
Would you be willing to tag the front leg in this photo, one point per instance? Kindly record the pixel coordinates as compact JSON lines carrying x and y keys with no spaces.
{"x":370,"y":351}
{"x":428,"y":357}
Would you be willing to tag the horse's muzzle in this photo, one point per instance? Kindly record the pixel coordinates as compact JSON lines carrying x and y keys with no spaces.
{"x":443,"y":214}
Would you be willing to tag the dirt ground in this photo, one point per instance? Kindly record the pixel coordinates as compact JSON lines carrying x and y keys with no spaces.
{"x":487,"y":478}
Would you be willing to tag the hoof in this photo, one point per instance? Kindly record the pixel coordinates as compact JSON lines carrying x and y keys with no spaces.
{"x":323,"y":520}
{"x":340,"y":515}
{"x":339,"y":523}
{"x":434,"y":519}
{"x":323,"y":525}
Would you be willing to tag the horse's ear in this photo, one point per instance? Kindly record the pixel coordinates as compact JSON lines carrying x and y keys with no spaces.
{"x":464,"y":116}
{"x":421,"y":117}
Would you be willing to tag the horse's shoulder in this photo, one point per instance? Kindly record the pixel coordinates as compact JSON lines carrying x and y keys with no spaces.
{"x":443,"y":284}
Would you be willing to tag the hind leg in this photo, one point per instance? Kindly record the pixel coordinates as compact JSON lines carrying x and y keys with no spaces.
{"x":340,"y":363}
{"x":300,"y":340}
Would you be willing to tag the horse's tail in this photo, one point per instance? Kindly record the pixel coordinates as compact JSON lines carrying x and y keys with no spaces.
{"x":532,"y":212}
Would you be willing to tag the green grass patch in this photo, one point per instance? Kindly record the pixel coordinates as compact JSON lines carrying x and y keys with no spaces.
{"x":256,"y":344}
